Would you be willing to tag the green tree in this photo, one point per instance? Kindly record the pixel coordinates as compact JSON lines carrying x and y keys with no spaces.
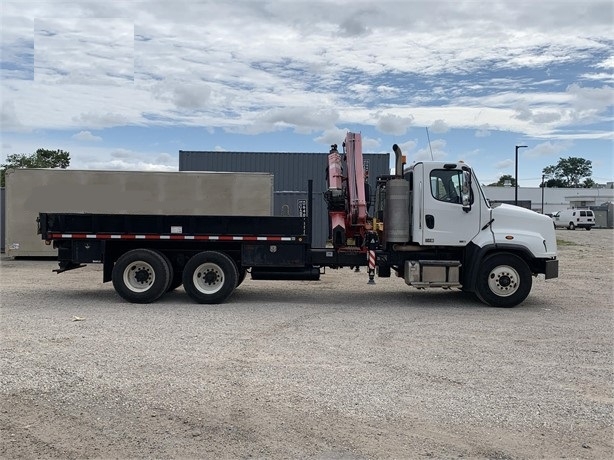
{"x":559,"y":183}
{"x":568,"y":172}
{"x":588,"y":183}
{"x":43,"y":158}
{"x":502,"y":179}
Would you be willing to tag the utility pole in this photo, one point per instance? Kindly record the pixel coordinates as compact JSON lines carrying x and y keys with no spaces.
{"x":543,"y":187}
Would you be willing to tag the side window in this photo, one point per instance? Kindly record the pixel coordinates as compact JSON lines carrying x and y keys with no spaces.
{"x":582,"y":213}
{"x":589,"y":213}
{"x":573,"y":213}
{"x":446,"y":185}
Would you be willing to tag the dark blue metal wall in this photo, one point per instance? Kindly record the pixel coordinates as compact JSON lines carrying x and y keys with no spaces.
{"x":291,"y":173}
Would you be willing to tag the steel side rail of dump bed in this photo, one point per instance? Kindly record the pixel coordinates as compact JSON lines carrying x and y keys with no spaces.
{"x":108,"y":226}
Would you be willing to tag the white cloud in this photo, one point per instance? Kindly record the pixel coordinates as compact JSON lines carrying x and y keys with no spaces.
{"x":134,"y":165}
{"x":9,"y":118}
{"x":548,"y":149}
{"x":439,"y":127}
{"x":261,"y":67}
{"x":370,"y":145}
{"x":122,"y":153}
{"x":332,"y":136}
{"x":504,"y":164}
{"x":126,"y":159}
{"x":83,"y":51}
{"x":101,"y":120}
{"x":604,"y":77}
{"x":304,"y":120}
{"x":191,"y":59}
{"x":436,"y":151}
{"x":191,"y":96}
{"x":86,"y":136}
{"x":393,"y":124}
{"x":406,"y":147}
{"x":483,"y":131}
{"x":590,"y":101}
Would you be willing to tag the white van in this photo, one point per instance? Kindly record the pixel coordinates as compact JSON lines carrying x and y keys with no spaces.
{"x":574,"y":218}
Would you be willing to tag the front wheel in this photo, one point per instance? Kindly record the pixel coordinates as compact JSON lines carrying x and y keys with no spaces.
{"x":571,"y":226}
{"x":141,"y":275}
{"x":210,"y":277}
{"x":504,"y":280}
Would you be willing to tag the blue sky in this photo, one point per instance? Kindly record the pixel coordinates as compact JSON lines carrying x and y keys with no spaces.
{"x":127,"y":84}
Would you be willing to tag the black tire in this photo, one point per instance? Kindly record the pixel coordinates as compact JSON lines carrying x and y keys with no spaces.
{"x":588,"y":228}
{"x":242,"y":275}
{"x":471,"y":296}
{"x":571,"y":226}
{"x":210,"y":277}
{"x":176,"y":281}
{"x":141,"y":275}
{"x":176,"y":274}
{"x":504,"y":280}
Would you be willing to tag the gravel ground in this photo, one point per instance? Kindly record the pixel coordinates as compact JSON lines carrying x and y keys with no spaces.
{"x":334,"y":369}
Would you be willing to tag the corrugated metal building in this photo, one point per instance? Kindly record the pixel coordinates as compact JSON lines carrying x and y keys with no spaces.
{"x":291,"y":172}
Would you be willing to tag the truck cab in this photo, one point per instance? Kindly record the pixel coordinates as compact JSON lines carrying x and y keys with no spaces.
{"x":440,"y":230}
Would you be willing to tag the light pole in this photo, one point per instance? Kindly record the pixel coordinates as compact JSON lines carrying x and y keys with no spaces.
{"x":543,"y":186}
{"x":516,"y":175}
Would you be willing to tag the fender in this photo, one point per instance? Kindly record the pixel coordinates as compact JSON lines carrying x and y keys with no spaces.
{"x":474,"y":255}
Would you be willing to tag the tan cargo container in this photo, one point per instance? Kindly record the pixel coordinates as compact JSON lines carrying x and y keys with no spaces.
{"x":30,"y":191}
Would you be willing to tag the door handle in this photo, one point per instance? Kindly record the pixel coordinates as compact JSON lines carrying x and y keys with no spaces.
{"x":430,"y":221}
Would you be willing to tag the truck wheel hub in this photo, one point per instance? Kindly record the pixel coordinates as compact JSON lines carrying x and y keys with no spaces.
{"x":503,"y":281}
{"x":141,"y":276}
{"x":209,"y":277}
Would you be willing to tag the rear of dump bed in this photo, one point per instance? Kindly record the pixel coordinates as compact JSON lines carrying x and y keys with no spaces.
{"x":147,"y":255}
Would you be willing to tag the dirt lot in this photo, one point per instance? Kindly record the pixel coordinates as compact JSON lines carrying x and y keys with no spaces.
{"x":329,"y":369}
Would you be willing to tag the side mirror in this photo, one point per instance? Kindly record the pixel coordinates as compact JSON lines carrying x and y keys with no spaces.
{"x":466,"y":191}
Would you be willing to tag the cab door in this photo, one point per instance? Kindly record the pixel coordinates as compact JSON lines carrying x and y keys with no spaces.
{"x":451,"y":210}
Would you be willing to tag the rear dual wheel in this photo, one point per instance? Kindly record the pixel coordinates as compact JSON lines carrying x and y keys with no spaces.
{"x":210,"y":277}
{"x":142,"y":275}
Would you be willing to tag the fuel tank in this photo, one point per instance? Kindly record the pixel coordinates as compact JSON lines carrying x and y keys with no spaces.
{"x":396,"y":214}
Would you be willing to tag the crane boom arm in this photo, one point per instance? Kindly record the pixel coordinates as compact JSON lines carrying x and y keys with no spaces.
{"x":356,"y":179}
